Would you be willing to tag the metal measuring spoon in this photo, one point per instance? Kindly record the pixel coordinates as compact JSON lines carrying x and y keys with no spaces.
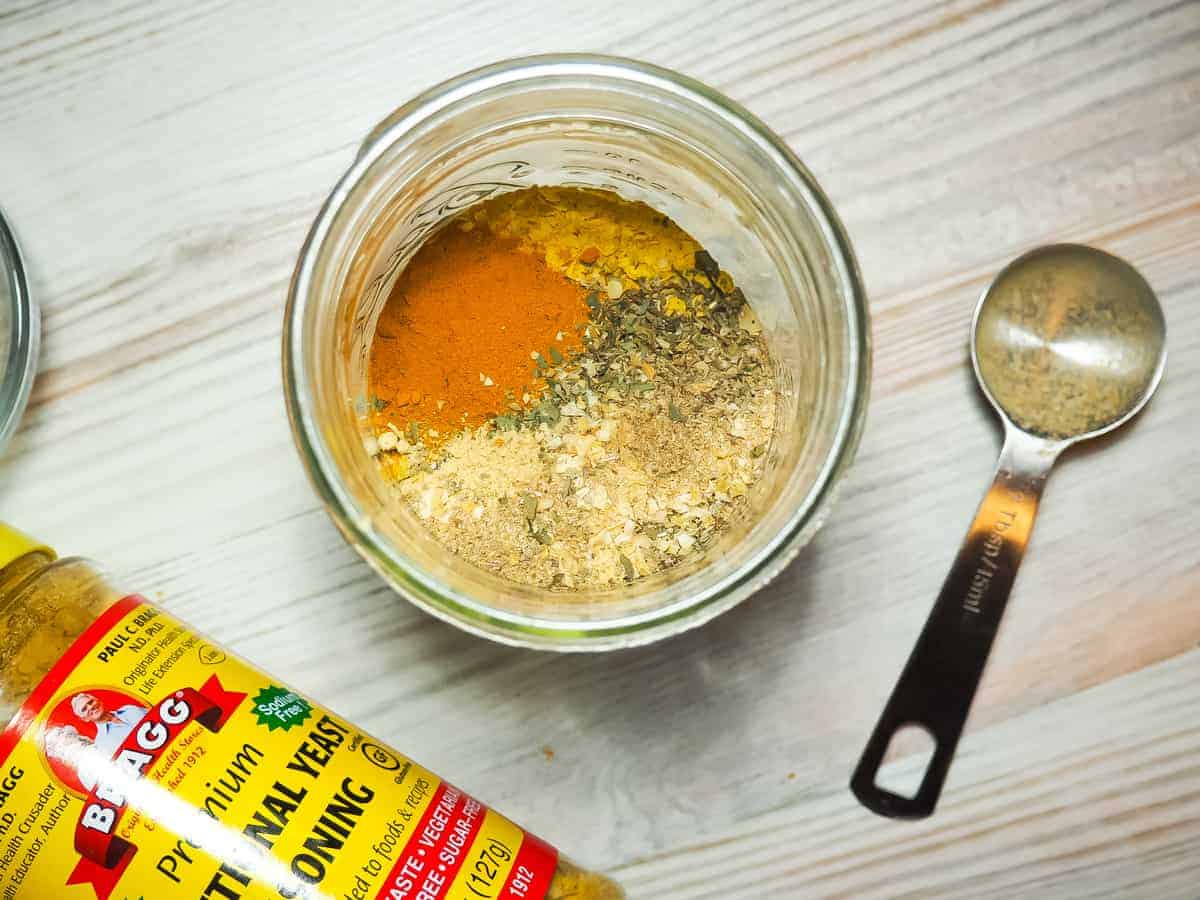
{"x":1068,"y":343}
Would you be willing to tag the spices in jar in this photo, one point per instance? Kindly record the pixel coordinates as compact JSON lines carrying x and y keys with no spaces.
{"x":450,"y":345}
{"x":634,"y":437}
{"x":143,"y":760}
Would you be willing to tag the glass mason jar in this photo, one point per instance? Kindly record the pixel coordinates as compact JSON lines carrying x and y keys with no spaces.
{"x":647,"y":134}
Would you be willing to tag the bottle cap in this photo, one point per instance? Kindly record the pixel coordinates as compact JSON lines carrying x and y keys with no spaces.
{"x":14,"y":544}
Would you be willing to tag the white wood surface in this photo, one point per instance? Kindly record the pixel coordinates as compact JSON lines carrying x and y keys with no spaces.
{"x":162,"y":161}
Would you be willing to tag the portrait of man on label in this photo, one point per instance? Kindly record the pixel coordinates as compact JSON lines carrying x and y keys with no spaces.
{"x":84,"y":731}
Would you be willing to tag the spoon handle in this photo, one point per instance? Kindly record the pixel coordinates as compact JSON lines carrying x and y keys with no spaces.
{"x":935,"y":689}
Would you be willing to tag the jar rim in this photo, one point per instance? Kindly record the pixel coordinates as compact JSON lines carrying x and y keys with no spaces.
{"x":19,"y":362}
{"x":518,"y":628}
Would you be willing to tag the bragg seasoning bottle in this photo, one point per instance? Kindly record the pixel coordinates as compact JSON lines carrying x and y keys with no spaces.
{"x":143,"y":761}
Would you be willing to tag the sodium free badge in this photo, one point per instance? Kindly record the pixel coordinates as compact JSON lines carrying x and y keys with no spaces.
{"x":277,"y":708}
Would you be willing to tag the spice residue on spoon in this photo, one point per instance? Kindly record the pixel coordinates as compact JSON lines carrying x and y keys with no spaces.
{"x":630,"y":405}
{"x":1064,"y":345}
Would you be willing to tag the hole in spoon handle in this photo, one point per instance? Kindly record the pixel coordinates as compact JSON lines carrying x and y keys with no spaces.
{"x":934,"y":693}
{"x":935,"y":690}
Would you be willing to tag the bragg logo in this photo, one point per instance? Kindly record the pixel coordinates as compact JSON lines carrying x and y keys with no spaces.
{"x":101,"y":743}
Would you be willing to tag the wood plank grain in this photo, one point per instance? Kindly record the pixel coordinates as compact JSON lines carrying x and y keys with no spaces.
{"x":162,"y":165}
{"x":1109,"y":807}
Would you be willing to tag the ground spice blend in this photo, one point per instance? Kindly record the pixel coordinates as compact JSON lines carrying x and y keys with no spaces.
{"x":143,"y":760}
{"x":1043,"y":318}
{"x":609,"y":414}
{"x":452,"y":342}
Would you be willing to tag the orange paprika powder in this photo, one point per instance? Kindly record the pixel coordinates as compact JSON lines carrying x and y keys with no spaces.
{"x":455,"y":341}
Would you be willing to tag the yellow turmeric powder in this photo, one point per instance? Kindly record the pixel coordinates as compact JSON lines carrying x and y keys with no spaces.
{"x":590,"y":236}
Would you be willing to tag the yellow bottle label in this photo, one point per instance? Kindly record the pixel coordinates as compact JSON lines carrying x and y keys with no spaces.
{"x":151,"y":764}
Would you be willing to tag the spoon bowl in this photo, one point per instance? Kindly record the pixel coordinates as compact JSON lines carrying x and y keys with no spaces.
{"x":1068,"y":342}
